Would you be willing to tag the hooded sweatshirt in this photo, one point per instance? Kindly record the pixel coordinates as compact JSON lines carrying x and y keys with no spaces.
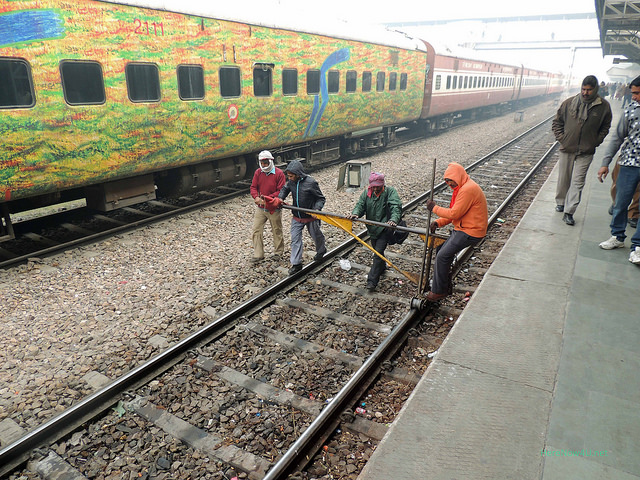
{"x":305,"y":192}
{"x":468,"y":210}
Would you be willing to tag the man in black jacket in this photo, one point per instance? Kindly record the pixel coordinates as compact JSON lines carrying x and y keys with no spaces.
{"x":305,"y":193}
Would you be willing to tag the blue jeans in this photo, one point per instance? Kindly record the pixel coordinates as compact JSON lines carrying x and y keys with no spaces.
{"x":626,"y":185}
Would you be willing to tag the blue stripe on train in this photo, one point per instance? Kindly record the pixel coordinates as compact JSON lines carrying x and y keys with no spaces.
{"x":30,"y":25}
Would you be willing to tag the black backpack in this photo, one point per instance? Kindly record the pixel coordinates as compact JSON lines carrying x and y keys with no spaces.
{"x":396,"y":236}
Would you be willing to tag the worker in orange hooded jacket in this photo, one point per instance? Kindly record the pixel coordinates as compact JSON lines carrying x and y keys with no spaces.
{"x":468,"y":213}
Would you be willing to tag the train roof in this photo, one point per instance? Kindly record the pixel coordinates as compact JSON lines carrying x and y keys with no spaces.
{"x":294,"y":20}
{"x":462,"y":53}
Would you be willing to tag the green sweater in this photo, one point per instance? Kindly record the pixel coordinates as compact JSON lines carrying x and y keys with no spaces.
{"x":375,"y":209}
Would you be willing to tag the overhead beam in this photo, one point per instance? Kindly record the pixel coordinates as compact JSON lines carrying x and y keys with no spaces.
{"x":521,"y":18}
{"x":535,"y":45}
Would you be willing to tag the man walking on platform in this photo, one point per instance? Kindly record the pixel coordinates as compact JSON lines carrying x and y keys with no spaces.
{"x":627,"y":140}
{"x":580,"y":125}
{"x":267,"y":181}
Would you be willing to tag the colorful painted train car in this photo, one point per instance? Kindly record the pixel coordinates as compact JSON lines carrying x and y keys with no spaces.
{"x":115,"y":101}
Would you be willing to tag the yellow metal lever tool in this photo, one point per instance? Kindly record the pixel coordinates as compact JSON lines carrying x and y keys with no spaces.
{"x":347,"y":226}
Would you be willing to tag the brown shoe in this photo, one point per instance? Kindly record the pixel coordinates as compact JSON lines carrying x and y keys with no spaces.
{"x":434,"y":297}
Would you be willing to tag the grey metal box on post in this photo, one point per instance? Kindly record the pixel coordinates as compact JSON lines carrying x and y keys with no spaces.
{"x":354,"y":174}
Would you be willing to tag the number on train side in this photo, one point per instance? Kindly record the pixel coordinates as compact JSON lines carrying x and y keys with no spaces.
{"x":142,"y":28}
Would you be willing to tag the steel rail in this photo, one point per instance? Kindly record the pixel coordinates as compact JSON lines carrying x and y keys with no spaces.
{"x":296,"y":455}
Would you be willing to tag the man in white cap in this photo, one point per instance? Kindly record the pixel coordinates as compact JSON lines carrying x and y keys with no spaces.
{"x":267,"y":181}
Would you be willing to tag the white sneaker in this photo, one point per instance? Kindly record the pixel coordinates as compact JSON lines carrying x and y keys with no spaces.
{"x":634,"y":256}
{"x":612,"y":243}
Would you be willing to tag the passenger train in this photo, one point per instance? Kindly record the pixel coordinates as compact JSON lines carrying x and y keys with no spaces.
{"x":119,"y":101}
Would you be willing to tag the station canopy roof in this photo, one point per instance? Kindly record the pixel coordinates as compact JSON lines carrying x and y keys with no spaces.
{"x":619,"y":23}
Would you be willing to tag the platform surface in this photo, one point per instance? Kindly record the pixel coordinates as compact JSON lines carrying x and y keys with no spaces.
{"x":540,"y":376}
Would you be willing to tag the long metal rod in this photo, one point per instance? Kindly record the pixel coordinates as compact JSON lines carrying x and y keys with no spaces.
{"x":426,"y":260}
{"x":418,"y":231}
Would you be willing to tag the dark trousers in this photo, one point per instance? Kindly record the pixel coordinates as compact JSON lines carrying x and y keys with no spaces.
{"x":445,"y":254}
{"x":379,"y":265}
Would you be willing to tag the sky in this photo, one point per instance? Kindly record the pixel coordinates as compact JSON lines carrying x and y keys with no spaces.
{"x":580,"y":63}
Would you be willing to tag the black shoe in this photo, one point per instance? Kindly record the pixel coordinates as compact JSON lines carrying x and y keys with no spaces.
{"x":559,"y":208}
{"x":568,"y":219}
{"x":611,"y":209}
{"x":371,"y":287}
{"x":633,"y":222}
{"x":319,"y":256}
{"x":295,"y":269}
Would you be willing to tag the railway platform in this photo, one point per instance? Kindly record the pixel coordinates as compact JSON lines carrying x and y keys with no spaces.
{"x":539,"y":377}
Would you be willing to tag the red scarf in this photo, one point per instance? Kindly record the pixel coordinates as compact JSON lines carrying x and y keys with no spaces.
{"x":453,"y":196}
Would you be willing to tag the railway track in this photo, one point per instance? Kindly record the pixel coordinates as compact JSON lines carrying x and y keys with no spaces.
{"x":44,"y":235}
{"x":300,"y":379}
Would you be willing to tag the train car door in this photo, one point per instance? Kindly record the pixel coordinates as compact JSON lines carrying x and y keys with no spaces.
{"x":519,"y":80}
{"x":428,"y":80}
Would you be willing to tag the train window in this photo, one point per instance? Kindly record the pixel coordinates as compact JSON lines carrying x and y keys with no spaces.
{"x":352,"y":78}
{"x":466,"y":79}
{"x":366,"y":81}
{"x":16,"y":87}
{"x":82,"y":83}
{"x":229,"y":82}
{"x":380,"y":82}
{"x":313,"y":82}
{"x":455,"y":81}
{"x":262,"y":81}
{"x":403,"y":81}
{"x":289,"y":81}
{"x":393,"y":80}
{"x":448,"y":82}
{"x":143,"y":82}
{"x":475,"y":82}
{"x":438,"y":81}
{"x":190,"y":82}
{"x":333,"y":81}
